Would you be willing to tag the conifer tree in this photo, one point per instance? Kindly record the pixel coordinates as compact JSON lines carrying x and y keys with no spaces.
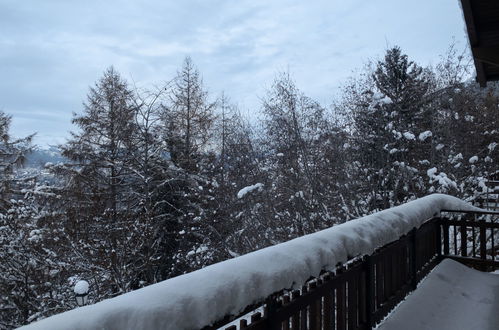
{"x":188,"y":117}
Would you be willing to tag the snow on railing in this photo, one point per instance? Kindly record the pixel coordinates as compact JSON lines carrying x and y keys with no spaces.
{"x":200,"y":298}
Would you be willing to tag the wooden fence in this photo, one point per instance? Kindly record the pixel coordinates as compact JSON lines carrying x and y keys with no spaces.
{"x":361,"y":293}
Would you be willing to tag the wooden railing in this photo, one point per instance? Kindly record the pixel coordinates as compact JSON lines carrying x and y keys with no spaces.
{"x":472,"y":239}
{"x":361,"y":293}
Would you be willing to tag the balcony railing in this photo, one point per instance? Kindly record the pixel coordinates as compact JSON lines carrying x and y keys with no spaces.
{"x":361,"y":293}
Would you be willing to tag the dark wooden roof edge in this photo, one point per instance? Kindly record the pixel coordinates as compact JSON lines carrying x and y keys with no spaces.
{"x":481,"y":76}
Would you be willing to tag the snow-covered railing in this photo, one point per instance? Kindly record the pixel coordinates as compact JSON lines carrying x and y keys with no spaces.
{"x":203,"y":297}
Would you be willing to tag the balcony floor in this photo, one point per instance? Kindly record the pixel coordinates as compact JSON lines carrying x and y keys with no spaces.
{"x":452,"y":296}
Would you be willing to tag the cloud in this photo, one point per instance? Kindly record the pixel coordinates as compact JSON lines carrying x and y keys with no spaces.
{"x":51,"y":51}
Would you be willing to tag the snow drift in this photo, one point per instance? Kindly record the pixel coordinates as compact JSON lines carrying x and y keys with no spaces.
{"x":200,"y":298}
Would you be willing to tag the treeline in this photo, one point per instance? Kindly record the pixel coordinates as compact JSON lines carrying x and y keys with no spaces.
{"x":161,"y":182}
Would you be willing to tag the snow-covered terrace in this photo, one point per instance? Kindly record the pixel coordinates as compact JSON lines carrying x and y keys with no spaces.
{"x":203,"y":297}
{"x":453,"y":296}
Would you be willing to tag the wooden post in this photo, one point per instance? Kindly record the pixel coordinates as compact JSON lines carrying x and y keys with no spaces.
{"x":483,"y":243}
{"x":341,"y":302}
{"x":295,"y":319}
{"x":414,"y":271}
{"x":352,"y":302}
{"x":285,"y":301}
{"x":328,"y":317}
{"x":438,"y":238}
{"x":369,"y":292}
{"x":271,"y":305}
{"x":313,"y":311}
{"x":303,"y":312}
{"x":464,"y":241}
{"x":445,"y":228}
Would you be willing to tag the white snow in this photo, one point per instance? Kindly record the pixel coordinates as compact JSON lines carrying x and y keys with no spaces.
{"x":439,"y":146}
{"x":473,"y":159}
{"x":380,"y":99}
{"x":452,"y":296}
{"x":442,"y":178}
{"x":409,"y":136}
{"x":248,"y":189}
{"x":81,"y":287}
{"x":200,"y":298}
{"x":424,"y":135}
{"x":431,"y":172}
{"x":396,"y":134}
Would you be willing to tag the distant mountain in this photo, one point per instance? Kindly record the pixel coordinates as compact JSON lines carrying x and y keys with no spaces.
{"x":40,"y":156}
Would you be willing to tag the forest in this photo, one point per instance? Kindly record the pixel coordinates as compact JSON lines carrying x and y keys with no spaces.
{"x":159,"y":182}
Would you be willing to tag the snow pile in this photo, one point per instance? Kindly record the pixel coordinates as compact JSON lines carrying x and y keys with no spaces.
{"x":81,"y":287}
{"x":473,"y":159}
{"x":424,"y":135}
{"x":379,"y":99}
{"x":248,"y":189}
{"x":453,"y":296}
{"x":443,"y":180}
{"x":409,"y":136}
{"x":200,"y":298}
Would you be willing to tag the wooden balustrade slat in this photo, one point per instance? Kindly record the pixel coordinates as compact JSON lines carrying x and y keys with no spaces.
{"x":304,"y":311}
{"x":295,"y":318}
{"x":341,"y":304}
{"x":327,"y":312}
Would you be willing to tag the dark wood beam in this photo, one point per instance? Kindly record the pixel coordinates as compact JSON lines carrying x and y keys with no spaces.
{"x":489,"y":55}
{"x":473,"y":37}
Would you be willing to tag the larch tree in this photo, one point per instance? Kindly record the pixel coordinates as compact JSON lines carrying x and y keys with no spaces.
{"x":188,"y":117}
{"x":99,"y":188}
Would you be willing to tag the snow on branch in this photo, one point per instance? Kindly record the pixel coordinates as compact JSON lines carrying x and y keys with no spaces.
{"x":249,"y":189}
{"x":200,"y":298}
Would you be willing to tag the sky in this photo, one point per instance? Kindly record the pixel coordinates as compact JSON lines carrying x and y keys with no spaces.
{"x":52,"y":51}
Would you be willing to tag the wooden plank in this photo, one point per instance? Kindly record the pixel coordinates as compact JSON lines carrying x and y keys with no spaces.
{"x":483,"y":244}
{"x":295,"y":318}
{"x":438,"y":238}
{"x":474,"y":262}
{"x":328,"y":312}
{"x":464,"y":241}
{"x":352,"y":303}
{"x":341,"y":305}
{"x":445,"y":228}
{"x":370,"y":293}
{"x":380,"y":297}
{"x":285,"y":301}
{"x":473,"y":212}
{"x":388,"y":274}
{"x":313,"y":311}
{"x":414,"y":267}
{"x":304,"y":311}
{"x":477,"y":224}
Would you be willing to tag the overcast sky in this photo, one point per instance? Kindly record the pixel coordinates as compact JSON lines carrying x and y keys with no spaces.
{"x":52,"y":51}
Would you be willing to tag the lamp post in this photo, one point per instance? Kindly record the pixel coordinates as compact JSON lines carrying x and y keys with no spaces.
{"x":81,"y":292}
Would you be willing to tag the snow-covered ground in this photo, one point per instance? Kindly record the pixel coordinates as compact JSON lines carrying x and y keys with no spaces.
{"x":194,"y":300}
{"x":452,"y":297}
